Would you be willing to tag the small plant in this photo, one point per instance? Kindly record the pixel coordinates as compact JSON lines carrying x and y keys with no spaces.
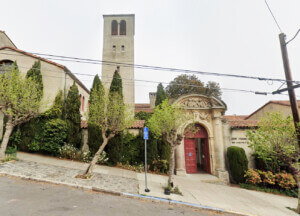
{"x":177,"y":191}
{"x":68,"y":151}
{"x":252,"y":177}
{"x":11,"y":150}
{"x":136,"y":168}
{"x":168,"y":189}
{"x":160,"y":165}
{"x":85,"y":156}
{"x":268,"y":178}
{"x":285,"y":180}
{"x":103,"y":158}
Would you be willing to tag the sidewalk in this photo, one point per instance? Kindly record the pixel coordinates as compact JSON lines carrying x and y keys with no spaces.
{"x":201,"y":189}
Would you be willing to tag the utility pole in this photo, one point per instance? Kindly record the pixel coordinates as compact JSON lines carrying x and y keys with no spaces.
{"x":290,"y":87}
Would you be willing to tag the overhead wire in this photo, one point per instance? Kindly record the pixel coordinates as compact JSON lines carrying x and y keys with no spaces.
{"x":112,"y":63}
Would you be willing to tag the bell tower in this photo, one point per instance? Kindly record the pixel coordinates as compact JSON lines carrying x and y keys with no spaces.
{"x":118,"y":47}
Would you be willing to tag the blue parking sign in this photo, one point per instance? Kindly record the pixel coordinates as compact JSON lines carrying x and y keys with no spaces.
{"x":146,"y":133}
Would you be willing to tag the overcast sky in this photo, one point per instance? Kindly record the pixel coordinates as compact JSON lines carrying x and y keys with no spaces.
{"x":232,"y":36}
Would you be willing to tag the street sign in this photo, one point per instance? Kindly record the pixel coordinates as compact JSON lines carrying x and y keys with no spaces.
{"x":146,"y":133}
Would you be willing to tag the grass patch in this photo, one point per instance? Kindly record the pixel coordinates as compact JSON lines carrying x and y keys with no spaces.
{"x":286,"y":192}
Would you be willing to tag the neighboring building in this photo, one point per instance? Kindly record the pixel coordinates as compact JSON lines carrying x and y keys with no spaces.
{"x":118,"y":51}
{"x":56,"y":77}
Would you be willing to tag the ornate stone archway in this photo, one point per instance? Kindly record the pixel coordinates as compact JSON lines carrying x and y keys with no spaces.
{"x":208,"y":112}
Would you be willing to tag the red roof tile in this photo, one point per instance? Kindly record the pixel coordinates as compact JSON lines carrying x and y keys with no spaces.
{"x":142,"y":105}
{"x":240,"y":121}
{"x":138,"y":124}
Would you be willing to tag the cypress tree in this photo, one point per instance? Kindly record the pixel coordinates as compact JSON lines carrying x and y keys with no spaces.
{"x":35,"y":74}
{"x":160,"y":94}
{"x":116,"y":84}
{"x":115,"y":88}
{"x":94,"y":132}
{"x":73,"y":117}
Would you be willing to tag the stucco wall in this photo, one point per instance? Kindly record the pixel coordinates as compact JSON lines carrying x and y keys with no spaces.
{"x":126,"y":56}
{"x":285,"y":110}
{"x":54,"y":77}
{"x":237,"y":137}
{"x":4,"y":40}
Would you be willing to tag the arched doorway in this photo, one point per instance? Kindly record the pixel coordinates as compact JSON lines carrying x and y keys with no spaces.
{"x":196,"y":149}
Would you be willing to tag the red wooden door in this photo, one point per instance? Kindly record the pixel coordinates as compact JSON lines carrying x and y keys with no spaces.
{"x":206,"y":165}
{"x":190,"y":155}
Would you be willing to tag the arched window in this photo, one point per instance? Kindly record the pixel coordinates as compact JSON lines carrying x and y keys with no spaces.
{"x":82,"y":103}
{"x":5,"y":65}
{"x":114,"y":27}
{"x":80,"y":100}
{"x":123,"y":27}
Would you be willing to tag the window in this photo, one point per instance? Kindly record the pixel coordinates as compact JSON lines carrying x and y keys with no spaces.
{"x":82,"y":103}
{"x":123,"y":27}
{"x":114,"y":27}
{"x":80,"y":100}
{"x":114,"y":48}
{"x":5,"y":65}
{"x":123,"y":48}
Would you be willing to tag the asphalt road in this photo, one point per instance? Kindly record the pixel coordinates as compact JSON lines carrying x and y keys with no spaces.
{"x":28,"y":198}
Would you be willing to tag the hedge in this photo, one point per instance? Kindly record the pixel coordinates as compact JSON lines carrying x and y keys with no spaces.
{"x":238,"y":163}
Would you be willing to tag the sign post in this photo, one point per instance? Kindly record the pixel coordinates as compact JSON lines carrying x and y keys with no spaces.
{"x":146,"y":136}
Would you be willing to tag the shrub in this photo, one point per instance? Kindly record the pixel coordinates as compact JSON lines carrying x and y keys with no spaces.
{"x":34,"y":146}
{"x":54,"y":136}
{"x":160,"y":165}
{"x":274,"y":143}
{"x":85,"y":156}
{"x":238,"y":163}
{"x":285,"y":180}
{"x":252,"y":177}
{"x":103,"y":158}
{"x":268,"y":178}
{"x":68,"y":151}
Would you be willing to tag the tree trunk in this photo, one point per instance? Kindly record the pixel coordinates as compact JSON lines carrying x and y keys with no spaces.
{"x":8,"y":130}
{"x":171,"y":165}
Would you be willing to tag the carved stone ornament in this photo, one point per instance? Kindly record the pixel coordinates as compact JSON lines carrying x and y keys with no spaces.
{"x":202,"y":116}
{"x":196,"y":102}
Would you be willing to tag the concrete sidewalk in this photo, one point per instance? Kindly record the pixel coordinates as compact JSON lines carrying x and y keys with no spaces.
{"x":202,"y":189}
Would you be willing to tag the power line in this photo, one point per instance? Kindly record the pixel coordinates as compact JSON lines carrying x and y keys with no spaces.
{"x":156,"y":82}
{"x":273,"y":16}
{"x":293,"y":37}
{"x":111,"y":63}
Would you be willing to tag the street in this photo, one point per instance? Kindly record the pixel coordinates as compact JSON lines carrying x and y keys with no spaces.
{"x":30,"y":198}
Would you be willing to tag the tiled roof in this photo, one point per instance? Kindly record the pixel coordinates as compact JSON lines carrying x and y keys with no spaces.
{"x":143,"y":107}
{"x":240,"y":121}
{"x":138,"y":124}
{"x":50,"y":62}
